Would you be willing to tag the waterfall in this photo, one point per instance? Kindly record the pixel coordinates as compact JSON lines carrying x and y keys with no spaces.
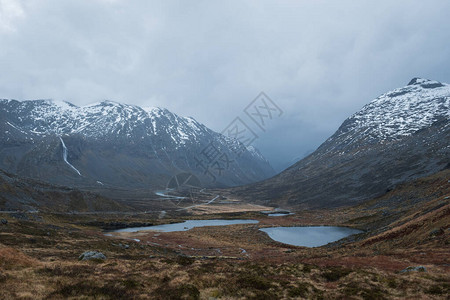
{"x":65,"y":157}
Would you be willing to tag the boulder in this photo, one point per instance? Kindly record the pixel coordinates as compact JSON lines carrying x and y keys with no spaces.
{"x":414,"y":269}
{"x":124,"y":246}
{"x":436,"y":232}
{"x":89,"y":255}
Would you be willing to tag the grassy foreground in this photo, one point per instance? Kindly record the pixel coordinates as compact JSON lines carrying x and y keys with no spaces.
{"x":407,"y":227}
{"x":39,"y":260}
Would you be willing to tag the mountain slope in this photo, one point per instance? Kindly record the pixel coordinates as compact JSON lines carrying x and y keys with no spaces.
{"x":109,"y":144}
{"x":402,"y":135}
{"x":28,"y":195}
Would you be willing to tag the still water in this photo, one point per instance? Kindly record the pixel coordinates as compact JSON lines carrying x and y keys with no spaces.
{"x":311,"y":236}
{"x":279,"y":214}
{"x":186,"y":225}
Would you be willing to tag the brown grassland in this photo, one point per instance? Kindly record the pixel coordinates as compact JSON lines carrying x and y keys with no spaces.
{"x":408,"y":226}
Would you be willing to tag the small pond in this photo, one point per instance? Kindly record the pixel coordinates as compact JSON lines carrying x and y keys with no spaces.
{"x":186,"y":225}
{"x":309,"y":236}
{"x":279,"y":214}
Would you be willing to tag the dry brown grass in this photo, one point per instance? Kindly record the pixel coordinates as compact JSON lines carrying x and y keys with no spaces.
{"x":39,"y":259}
{"x":227,"y":208}
{"x":42,"y":266}
{"x":11,"y":258}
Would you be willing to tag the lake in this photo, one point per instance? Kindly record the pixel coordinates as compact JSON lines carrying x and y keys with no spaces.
{"x":309,"y":236}
{"x":186,"y":225}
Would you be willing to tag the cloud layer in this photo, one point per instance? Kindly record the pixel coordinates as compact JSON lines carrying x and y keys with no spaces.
{"x":320,"y":61}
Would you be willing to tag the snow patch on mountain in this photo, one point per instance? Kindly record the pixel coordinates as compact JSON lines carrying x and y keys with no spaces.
{"x":398,"y":113}
{"x":255,"y":152}
{"x":43,"y":117}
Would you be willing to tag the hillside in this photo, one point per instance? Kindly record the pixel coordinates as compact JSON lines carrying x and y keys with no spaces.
{"x":26,"y":195}
{"x":400,"y":136}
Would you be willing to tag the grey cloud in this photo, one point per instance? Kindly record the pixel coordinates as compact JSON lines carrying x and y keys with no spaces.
{"x":319,"y":60}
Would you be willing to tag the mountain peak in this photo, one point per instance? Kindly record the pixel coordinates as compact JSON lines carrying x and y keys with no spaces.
{"x":417,"y":81}
{"x":398,"y":113}
{"x":62,"y":103}
{"x":109,"y":102}
{"x":425,"y":83}
{"x":105,"y":103}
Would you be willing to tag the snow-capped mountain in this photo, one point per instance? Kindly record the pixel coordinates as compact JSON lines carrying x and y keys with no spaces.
{"x":100,"y":120}
{"x":401,"y":135}
{"x":397,"y":114}
{"x":117,"y":145}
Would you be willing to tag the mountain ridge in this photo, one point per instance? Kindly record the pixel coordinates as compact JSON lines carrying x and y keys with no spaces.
{"x":117,"y":144}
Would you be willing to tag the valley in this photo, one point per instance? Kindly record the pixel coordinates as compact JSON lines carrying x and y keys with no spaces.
{"x":365,"y":216}
{"x":224,"y":150}
{"x":39,"y":253}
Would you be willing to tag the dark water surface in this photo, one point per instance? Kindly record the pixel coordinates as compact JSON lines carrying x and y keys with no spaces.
{"x":311,"y":236}
{"x":186,"y":225}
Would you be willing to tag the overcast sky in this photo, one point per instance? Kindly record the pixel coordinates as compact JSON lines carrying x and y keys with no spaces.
{"x":320,"y":61}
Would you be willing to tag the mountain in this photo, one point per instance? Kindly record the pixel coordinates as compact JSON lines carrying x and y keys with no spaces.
{"x":400,"y":136}
{"x":109,"y":145}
